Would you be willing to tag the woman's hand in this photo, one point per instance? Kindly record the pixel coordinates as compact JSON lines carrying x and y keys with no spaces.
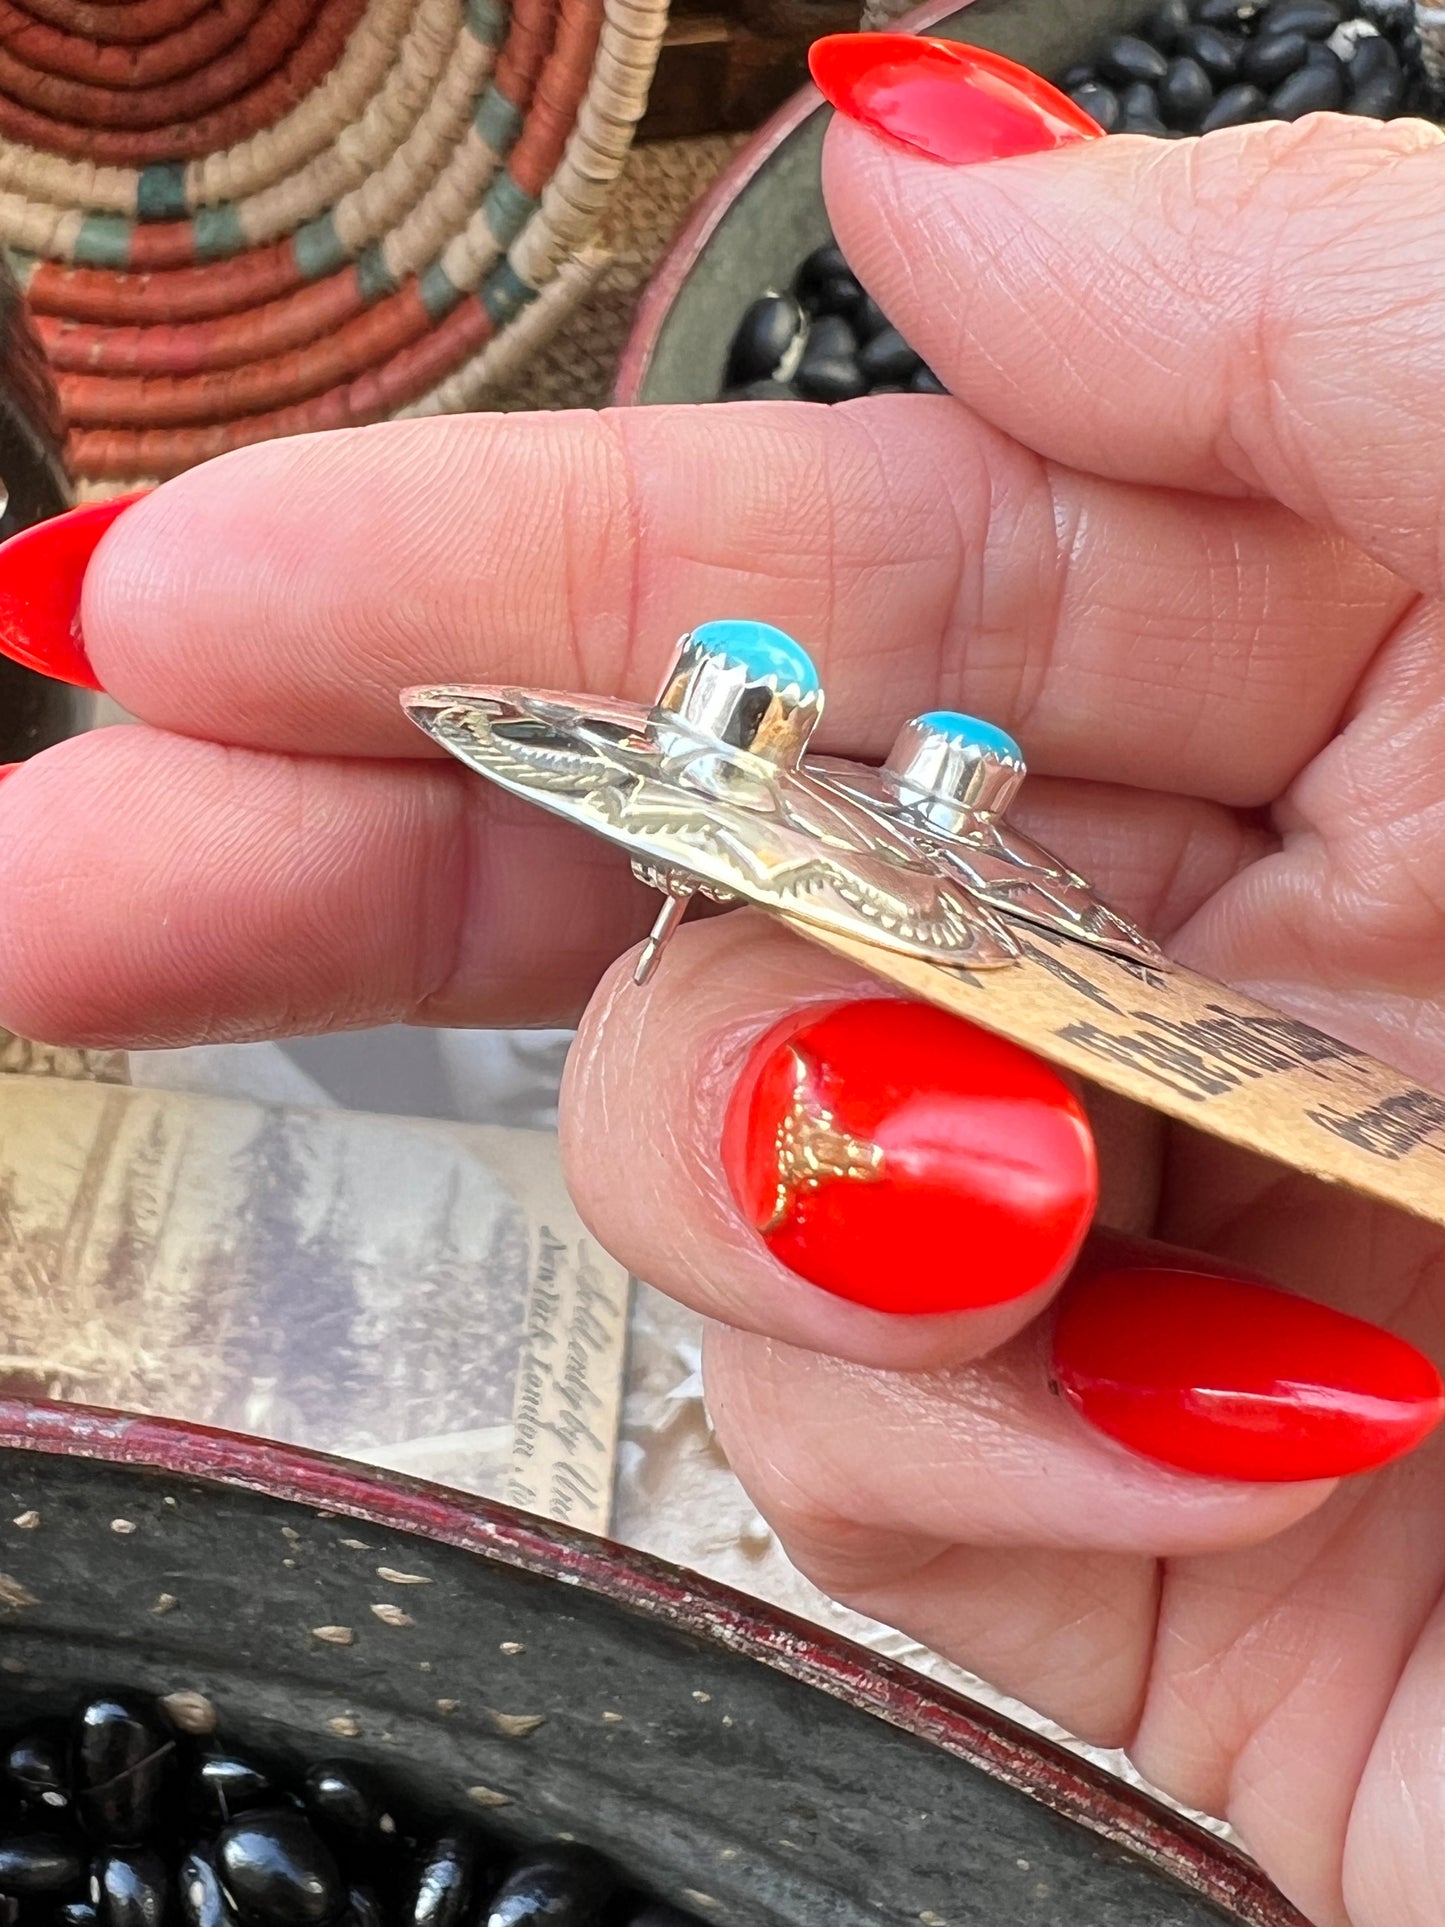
{"x":1183,"y":533}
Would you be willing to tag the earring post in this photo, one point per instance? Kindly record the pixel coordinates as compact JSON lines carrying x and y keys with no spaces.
{"x":669,"y":917}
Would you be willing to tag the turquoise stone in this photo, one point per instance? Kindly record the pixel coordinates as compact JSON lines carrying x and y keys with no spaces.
{"x":763,"y":653}
{"x":968,"y":729}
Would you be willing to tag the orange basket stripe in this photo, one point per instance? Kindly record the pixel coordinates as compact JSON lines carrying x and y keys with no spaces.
{"x":78,"y":347}
{"x":529,"y":39}
{"x":82,"y":58}
{"x":187,"y":139}
{"x":127,"y":21}
{"x":94,"y":401}
{"x":117,"y":454}
{"x":241,"y":67}
{"x":560,"y":88}
{"x":186,"y":293}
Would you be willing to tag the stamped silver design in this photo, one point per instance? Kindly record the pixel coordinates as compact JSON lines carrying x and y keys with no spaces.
{"x":708,"y":794}
{"x":949,"y":780}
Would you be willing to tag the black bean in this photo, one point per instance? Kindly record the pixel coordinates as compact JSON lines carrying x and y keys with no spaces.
{"x":202,"y":1897}
{"x":1394,"y":17}
{"x":277,"y":1869}
{"x":131,"y":1888}
{"x":1372,"y":56}
{"x":868,"y":318}
{"x":830,"y":334}
{"x":560,"y":1888}
{"x":122,"y":1762}
{"x":225,"y":1786}
{"x":1235,"y":107}
{"x":344,"y":1802}
{"x":769,"y":334}
{"x":1185,"y":93}
{"x":762,"y":391}
{"x":1139,"y":102}
{"x":1078,"y":75}
{"x":1326,"y":60}
{"x":1229,"y":14}
{"x":1314,"y":89}
{"x":1315,"y":19}
{"x":363,"y":1909}
{"x":657,"y":1913}
{"x":1421,"y":97}
{"x":829,"y":378}
{"x":1143,"y":124}
{"x":1379,"y":96}
{"x":37,"y":1765}
{"x":1167,"y":22}
{"x":1274,"y":58}
{"x":445,"y":1884}
{"x":839,"y":294}
{"x":925,"y":382}
{"x":888,"y":388}
{"x":1217,"y":52}
{"x":76,"y":1913}
{"x":822,"y":265}
{"x":888,"y":357}
{"x":1099,"y":102}
{"x":1126,"y":57}
{"x":40,"y":1863}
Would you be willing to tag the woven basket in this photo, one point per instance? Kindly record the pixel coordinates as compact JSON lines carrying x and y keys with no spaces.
{"x":238,"y":219}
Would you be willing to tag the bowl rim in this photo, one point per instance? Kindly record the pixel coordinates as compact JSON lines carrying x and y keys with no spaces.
{"x":666,"y":280}
{"x":640,"y":1583}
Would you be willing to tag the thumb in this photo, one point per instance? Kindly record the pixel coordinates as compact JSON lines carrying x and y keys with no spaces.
{"x":1258,"y":311}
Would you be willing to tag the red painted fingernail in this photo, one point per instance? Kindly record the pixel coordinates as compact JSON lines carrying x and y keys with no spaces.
{"x":41,"y":572}
{"x":941,"y":98}
{"x":7,"y":769}
{"x":905,"y":1159}
{"x":1236,"y":1380}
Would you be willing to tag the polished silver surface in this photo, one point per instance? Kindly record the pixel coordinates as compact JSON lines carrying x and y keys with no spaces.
{"x":949,"y":779}
{"x":951,"y":774}
{"x":705,"y":791}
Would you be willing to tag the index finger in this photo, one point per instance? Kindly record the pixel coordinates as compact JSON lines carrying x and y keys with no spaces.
{"x":280,"y":598}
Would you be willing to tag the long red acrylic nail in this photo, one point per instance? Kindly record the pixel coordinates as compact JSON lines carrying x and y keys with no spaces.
{"x":941,"y":98}
{"x":1235,"y":1380}
{"x":900,"y":1157}
{"x":41,"y":573}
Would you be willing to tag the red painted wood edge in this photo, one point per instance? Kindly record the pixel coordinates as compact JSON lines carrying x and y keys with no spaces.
{"x":1095,"y":1800}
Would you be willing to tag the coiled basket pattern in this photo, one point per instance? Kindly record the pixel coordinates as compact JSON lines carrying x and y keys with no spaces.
{"x":239,"y":219}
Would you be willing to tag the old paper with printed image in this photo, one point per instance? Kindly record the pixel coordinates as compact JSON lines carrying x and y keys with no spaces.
{"x":418,"y":1295}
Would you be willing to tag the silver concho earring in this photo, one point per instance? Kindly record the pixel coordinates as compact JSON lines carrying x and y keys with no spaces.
{"x":708,"y":793}
{"x":914,"y":871}
{"x":949,"y":779}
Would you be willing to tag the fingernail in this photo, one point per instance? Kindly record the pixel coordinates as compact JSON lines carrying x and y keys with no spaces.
{"x":900,"y":1157}
{"x":941,"y":98}
{"x":1236,"y":1380}
{"x":7,"y":769}
{"x":41,"y":572}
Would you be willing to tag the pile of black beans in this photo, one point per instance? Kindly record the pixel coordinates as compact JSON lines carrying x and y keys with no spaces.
{"x":1197,"y":65}
{"x":120,"y":1818}
{"x":825,"y":340}
{"x":1194,"y":65}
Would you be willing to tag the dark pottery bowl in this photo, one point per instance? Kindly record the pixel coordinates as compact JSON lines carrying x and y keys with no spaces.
{"x":744,"y":1766}
{"x":766,"y":212}
{"x":34,"y":711}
